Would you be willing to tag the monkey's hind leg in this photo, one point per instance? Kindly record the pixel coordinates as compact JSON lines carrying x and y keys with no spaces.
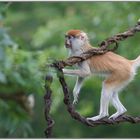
{"x":106,"y":95}
{"x":118,"y":105}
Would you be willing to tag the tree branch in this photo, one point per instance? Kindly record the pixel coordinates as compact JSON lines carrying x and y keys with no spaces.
{"x":47,"y":99}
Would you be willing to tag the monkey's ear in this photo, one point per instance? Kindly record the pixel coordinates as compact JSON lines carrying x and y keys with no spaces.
{"x":83,"y":36}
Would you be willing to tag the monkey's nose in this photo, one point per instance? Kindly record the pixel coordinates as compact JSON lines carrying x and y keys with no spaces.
{"x":68,"y":44}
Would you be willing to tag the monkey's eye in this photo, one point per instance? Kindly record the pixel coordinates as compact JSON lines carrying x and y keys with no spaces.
{"x":73,"y":36}
{"x":69,"y":37}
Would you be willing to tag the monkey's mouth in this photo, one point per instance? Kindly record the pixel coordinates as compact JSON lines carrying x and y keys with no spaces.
{"x":68,"y":46}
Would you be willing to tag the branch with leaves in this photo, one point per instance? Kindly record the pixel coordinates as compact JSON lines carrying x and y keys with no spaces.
{"x":59,"y":65}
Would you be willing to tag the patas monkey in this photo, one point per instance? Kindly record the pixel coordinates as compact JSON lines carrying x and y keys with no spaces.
{"x":118,"y":72}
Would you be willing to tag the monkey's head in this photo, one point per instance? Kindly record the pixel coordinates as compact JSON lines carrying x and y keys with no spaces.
{"x":75,"y":39}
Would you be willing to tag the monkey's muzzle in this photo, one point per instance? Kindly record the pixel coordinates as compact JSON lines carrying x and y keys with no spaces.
{"x":68,"y":44}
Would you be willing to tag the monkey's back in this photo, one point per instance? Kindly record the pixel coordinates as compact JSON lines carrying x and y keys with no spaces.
{"x":112,"y":64}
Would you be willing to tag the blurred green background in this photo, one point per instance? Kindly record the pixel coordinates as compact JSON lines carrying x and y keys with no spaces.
{"x":31,"y":35}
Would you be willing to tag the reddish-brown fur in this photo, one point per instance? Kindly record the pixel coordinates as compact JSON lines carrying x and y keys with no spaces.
{"x":73,"y":32}
{"x":118,"y":67}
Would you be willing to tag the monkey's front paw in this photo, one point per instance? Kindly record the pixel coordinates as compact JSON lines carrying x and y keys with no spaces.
{"x":75,"y":101}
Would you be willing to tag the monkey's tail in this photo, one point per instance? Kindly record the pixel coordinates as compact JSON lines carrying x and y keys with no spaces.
{"x":136,"y":63}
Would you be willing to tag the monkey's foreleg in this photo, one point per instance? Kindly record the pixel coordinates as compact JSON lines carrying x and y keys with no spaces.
{"x":80,"y":73}
{"x":77,"y":88}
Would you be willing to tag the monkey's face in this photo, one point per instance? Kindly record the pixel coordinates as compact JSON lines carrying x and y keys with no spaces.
{"x":75,"y":42}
